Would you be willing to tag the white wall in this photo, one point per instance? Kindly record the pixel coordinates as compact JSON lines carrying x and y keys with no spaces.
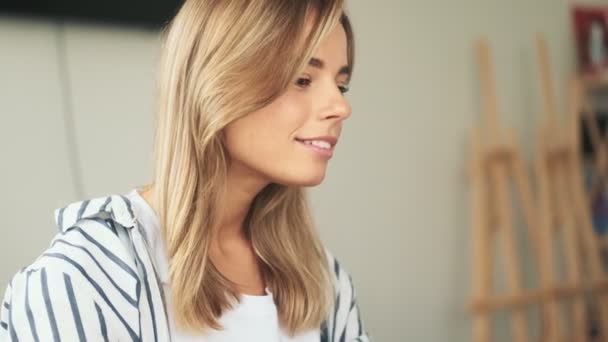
{"x":57,"y":142}
{"x":397,"y":188}
{"x":394,"y":207}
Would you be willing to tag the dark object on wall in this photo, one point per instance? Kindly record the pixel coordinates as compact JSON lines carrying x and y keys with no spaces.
{"x":601,"y":118}
{"x":151,"y":14}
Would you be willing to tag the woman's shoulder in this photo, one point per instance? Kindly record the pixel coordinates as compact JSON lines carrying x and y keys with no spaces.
{"x":340,"y":275}
{"x":93,"y":241}
{"x":88,"y":259}
{"x":342,"y":280}
{"x":344,"y":322}
{"x":94,"y":232}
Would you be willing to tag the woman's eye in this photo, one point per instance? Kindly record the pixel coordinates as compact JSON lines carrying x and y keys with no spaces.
{"x":344,"y":89}
{"x":303,"y":82}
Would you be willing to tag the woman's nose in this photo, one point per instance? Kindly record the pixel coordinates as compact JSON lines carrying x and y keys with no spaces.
{"x":338,"y":107}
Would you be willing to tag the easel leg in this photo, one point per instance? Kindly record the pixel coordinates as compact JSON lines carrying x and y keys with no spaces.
{"x":482,"y":256}
{"x":550,"y":310}
{"x":572,"y":255}
{"x":498,"y":178}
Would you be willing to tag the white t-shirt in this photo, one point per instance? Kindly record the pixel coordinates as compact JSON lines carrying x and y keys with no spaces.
{"x":254,"y":319}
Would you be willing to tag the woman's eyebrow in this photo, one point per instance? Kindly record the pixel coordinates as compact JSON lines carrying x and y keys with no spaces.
{"x":319,"y":64}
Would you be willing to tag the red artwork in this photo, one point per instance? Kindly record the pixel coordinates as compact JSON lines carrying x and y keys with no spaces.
{"x":591,"y":33}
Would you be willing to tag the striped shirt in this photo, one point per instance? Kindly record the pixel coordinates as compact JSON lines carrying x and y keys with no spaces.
{"x":97,"y":282}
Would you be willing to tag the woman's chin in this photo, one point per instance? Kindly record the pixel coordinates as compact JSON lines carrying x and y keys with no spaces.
{"x":314,"y":180}
{"x":303,"y":180}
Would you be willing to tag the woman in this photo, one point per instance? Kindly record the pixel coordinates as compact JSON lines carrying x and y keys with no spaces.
{"x":221,"y":246}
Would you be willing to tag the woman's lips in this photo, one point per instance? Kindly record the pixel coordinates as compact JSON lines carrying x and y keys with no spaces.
{"x":321,"y":147}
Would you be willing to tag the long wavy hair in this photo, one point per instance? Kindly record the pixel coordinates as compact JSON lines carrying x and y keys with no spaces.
{"x":220,"y":60}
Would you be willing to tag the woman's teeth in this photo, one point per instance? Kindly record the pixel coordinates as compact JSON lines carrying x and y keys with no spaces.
{"x":318,"y":143}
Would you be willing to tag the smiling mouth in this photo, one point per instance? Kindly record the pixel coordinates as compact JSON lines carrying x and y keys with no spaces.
{"x":317,"y":143}
{"x":321,"y":148}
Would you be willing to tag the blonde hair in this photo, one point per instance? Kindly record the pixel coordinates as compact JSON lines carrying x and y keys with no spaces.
{"x":222,"y":59}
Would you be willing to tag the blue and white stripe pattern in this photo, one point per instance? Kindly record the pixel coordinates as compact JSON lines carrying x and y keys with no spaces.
{"x":97,"y":282}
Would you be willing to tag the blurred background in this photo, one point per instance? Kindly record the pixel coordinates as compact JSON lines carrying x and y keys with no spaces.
{"x":77,"y":107}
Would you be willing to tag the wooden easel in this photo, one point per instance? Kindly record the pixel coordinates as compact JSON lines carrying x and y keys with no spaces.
{"x":583,"y":247}
{"x":496,"y":165}
{"x":561,"y":214}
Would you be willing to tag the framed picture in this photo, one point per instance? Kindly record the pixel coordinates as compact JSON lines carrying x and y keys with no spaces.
{"x":590,"y":23}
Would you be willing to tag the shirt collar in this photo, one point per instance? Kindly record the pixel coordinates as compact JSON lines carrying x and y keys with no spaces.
{"x":116,"y":207}
{"x":149,"y":226}
{"x":120,"y":210}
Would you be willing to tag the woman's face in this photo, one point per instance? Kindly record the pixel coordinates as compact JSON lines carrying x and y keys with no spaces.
{"x":291,"y":140}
